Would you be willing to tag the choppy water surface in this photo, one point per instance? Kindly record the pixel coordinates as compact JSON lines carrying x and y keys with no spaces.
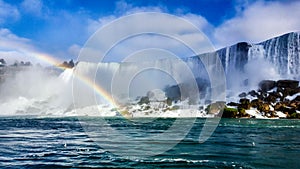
{"x":29,"y":142}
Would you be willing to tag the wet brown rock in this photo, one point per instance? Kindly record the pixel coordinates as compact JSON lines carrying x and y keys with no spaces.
{"x":229,"y":113}
{"x":268,"y":102}
{"x":255,"y":103}
{"x":294,"y":115}
{"x":244,"y":101}
{"x":293,"y":105}
{"x":242,"y":113}
{"x":262,"y":95}
{"x":267,"y":85}
{"x":244,"y":104}
{"x":264,"y":107}
{"x":294,"y":91}
{"x":278,"y":106}
{"x":270,"y":99}
{"x":275,"y":94}
{"x":271,"y":114}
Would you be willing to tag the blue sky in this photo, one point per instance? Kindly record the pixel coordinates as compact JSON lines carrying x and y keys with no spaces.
{"x":61,"y":27}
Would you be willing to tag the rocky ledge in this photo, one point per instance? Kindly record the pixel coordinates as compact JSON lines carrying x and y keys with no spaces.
{"x":272,"y":99}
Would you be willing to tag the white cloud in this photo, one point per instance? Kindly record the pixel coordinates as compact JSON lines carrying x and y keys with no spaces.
{"x":254,"y":22}
{"x":125,"y":8}
{"x":9,"y":40}
{"x":178,"y":30}
{"x":32,"y":7}
{"x":259,"y":21}
{"x":163,"y":24}
{"x":65,"y":42}
{"x":8,"y":12}
{"x":198,"y":20}
{"x":94,"y":25}
{"x":74,"y":50}
{"x":122,"y":8}
{"x":13,"y":47}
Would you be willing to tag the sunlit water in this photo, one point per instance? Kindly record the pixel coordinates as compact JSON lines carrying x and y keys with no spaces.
{"x":29,"y":142}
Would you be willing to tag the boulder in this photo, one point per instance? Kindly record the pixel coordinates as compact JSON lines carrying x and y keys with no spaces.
{"x":244,"y":101}
{"x":242,"y":113}
{"x":267,"y":85}
{"x":295,"y":103}
{"x":285,"y":108}
{"x":293,"y":84}
{"x":264,"y":107}
{"x":294,"y":115}
{"x":279,"y":89}
{"x":276,"y":94}
{"x":297,"y":99}
{"x":215,"y":107}
{"x":271,"y":114}
{"x":255,"y":103}
{"x":291,"y":92}
{"x":229,"y":113}
{"x":144,"y":100}
{"x":244,"y":104}
{"x":262,"y":95}
{"x":280,"y":106}
{"x":243,"y":94}
{"x":270,"y":99}
{"x":232,"y":104}
{"x":253,"y":93}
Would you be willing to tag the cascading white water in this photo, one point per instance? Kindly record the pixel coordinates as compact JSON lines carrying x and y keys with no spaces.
{"x":226,"y":59}
{"x":256,"y":52}
{"x":276,"y":58}
{"x":284,"y":53}
{"x":66,"y":76}
{"x":33,"y":91}
{"x":129,"y":80}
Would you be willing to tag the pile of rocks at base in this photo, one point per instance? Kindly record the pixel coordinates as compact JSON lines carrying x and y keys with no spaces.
{"x":271,"y":98}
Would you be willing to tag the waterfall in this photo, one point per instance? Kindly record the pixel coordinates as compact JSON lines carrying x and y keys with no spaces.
{"x":284,"y":53}
{"x":226,"y":59}
{"x":244,"y":64}
{"x":256,"y":52}
{"x":66,"y":75}
{"x":129,"y":80}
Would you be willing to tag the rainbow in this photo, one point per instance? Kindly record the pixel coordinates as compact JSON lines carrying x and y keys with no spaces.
{"x":85,"y":80}
{"x":98,"y":89}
